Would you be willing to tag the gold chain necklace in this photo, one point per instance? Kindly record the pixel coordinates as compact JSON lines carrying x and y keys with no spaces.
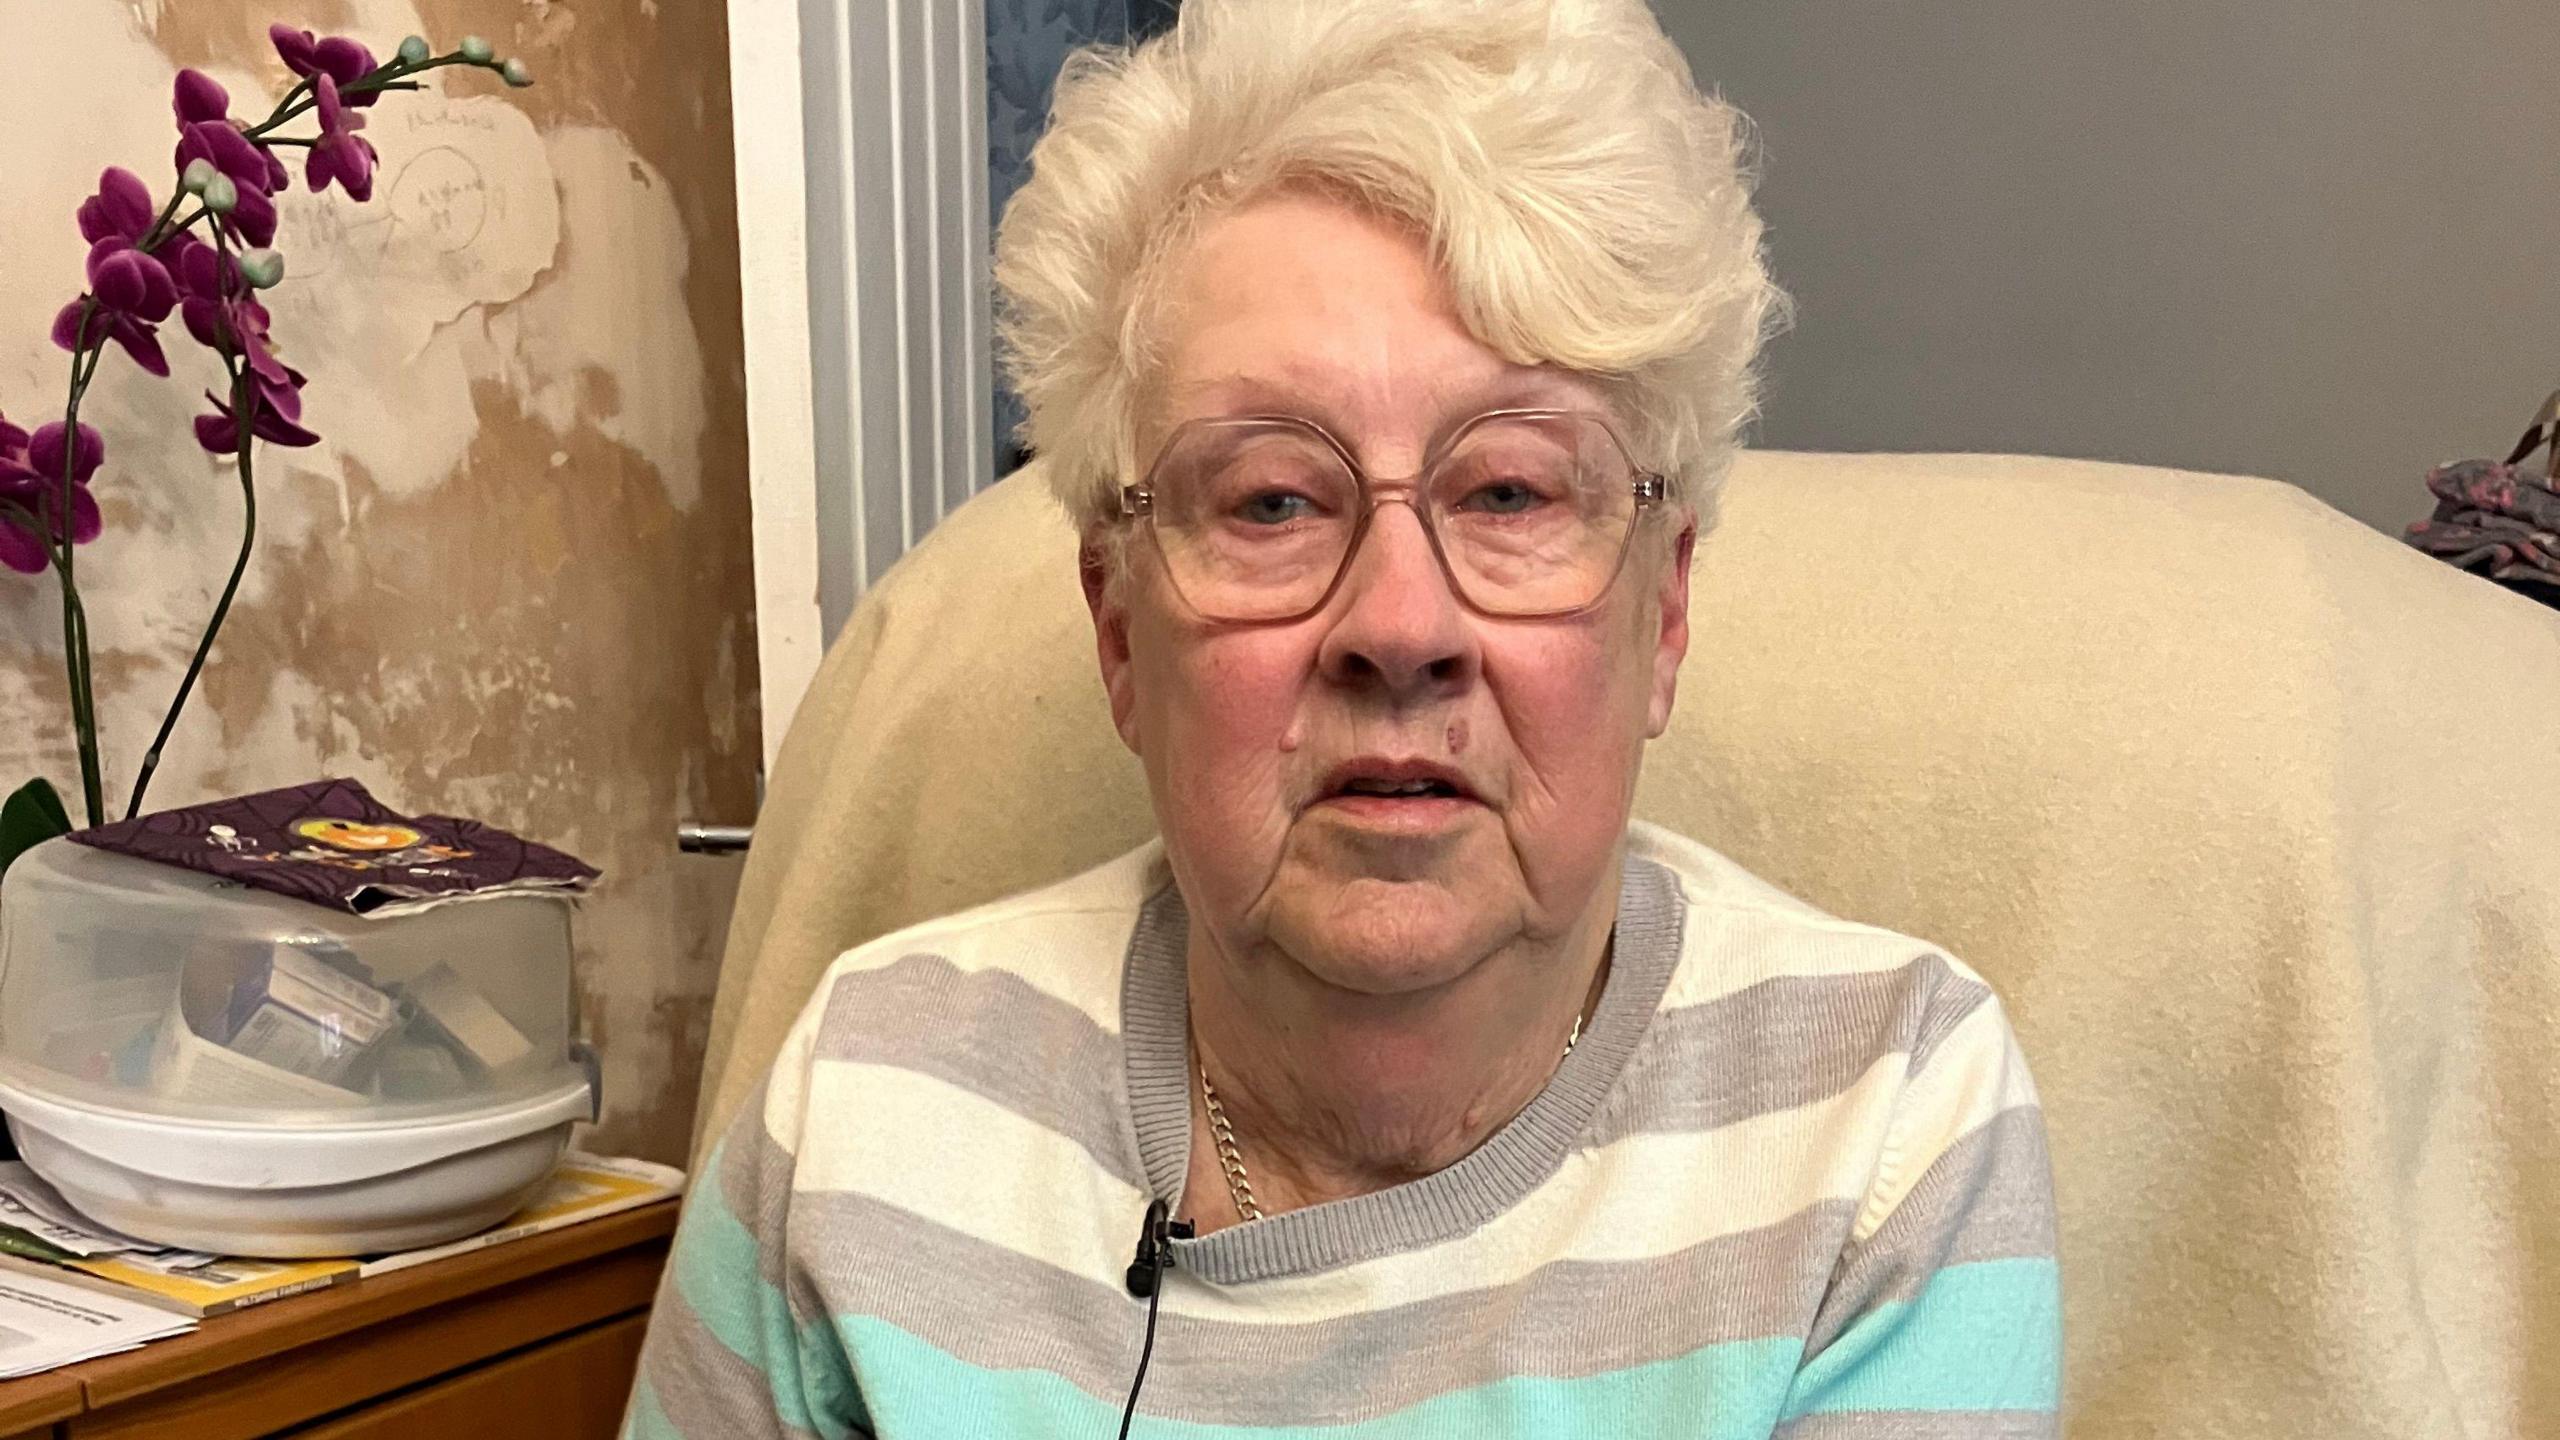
{"x":1231,"y":1159}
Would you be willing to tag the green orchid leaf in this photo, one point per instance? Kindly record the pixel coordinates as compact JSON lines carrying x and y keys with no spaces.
{"x":31,"y":815}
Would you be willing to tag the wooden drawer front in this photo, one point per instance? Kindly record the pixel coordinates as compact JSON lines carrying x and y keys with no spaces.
{"x":571,"y":1389}
{"x":341,"y":1372}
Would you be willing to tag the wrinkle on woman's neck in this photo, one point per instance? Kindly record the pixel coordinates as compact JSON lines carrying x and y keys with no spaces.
{"x":1339,"y":1094}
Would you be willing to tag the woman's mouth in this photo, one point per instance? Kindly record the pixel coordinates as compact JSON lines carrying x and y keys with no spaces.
{"x":1412,"y":795}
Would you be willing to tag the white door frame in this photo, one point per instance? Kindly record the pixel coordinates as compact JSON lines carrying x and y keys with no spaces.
{"x":861,"y":147}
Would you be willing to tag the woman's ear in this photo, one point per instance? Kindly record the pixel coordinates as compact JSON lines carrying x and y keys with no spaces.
{"x":1671,"y":636}
{"x":1104,"y":596}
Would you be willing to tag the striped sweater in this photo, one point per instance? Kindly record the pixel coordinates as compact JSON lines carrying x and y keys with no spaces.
{"x":1792,"y":1182}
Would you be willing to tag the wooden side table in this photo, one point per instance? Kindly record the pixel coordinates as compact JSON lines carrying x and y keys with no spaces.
{"x":535,"y":1337}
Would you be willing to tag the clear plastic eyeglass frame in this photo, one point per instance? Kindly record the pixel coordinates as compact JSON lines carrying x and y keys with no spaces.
{"x":1648,"y":490}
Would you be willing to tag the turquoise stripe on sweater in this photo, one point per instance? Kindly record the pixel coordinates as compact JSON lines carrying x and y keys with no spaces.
{"x":644,"y":1420}
{"x":717,"y":1275}
{"x":1543,"y":1287}
{"x":925,"y":1394}
{"x":1981,"y":1336}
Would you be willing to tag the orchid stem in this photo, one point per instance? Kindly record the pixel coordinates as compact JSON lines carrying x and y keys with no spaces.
{"x":160,"y":229}
{"x":243,"y":406}
{"x":75,"y":618}
{"x":284,"y":110}
{"x":394,"y":76}
{"x":57,"y":532}
{"x":91,"y":770}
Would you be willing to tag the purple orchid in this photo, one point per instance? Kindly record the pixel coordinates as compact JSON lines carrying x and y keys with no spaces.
{"x":275,"y":410}
{"x":198,"y":98}
{"x":31,"y":478}
{"x":219,"y":311}
{"x":121,"y":208}
{"x":208,"y":279}
{"x":337,"y":57}
{"x":341,"y":154}
{"x":204,"y":259}
{"x":256,"y":173}
{"x":130,"y":288}
{"x":20,"y":485}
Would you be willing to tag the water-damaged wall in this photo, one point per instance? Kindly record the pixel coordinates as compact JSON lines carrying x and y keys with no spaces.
{"x":512,"y":581}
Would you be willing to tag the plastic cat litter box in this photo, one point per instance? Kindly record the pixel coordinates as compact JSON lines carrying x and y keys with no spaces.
{"x":207,"y":1066}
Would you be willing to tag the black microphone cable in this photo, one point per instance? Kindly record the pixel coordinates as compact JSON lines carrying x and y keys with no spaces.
{"x":1146,"y":1277}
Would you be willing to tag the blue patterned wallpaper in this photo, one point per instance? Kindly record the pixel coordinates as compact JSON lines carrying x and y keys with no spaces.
{"x":1027,"y":40}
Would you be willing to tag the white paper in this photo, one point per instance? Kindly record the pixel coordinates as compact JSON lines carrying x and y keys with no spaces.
{"x":186,"y":1066}
{"x":18,"y":1215}
{"x":468,"y":1019}
{"x":171,"y":1262}
{"x":283,"y":1037}
{"x":327,"y":995}
{"x":46,"y":1323}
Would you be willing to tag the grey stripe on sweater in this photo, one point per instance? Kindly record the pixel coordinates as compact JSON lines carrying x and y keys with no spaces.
{"x":999,"y":1309}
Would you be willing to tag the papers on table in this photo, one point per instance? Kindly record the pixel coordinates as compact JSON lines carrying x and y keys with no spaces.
{"x":45,"y":1322}
{"x":585,"y":1187}
{"x":71,"y":1289}
{"x":31,"y":1206}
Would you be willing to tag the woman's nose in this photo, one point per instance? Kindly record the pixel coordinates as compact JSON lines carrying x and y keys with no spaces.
{"x":1396,"y":624}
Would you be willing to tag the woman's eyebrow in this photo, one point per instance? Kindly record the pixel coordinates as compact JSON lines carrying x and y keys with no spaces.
{"x":1530,"y":389}
{"x":1245,"y":392}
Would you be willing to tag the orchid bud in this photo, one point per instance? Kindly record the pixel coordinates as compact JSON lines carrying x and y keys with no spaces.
{"x":198,"y":174}
{"x":413,"y":51}
{"x":475,"y":50}
{"x":261,"y":268}
{"x":514,"y":73}
{"x":220,"y":194}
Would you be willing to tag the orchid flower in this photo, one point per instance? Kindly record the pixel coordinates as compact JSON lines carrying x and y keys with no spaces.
{"x":130,"y":291}
{"x":31,"y":468}
{"x":204,"y":255}
{"x":275,"y":407}
{"x":341,"y":154}
{"x":341,"y":60}
{"x":256,"y":172}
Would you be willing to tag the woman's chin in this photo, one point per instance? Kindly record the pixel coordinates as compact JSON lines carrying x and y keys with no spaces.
{"x":1376,"y":936}
{"x":1350,"y":842}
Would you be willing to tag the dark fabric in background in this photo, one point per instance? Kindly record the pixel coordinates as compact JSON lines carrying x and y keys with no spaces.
{"x":1027,"y":40}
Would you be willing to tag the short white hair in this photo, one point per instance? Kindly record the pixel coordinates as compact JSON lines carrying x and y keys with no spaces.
{"x":1588,"y":207}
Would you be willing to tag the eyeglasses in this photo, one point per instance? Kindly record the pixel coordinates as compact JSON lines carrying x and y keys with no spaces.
{"x":1530,"y":513}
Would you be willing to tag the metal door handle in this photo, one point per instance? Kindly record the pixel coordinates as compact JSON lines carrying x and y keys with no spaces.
{"x":695,"y":838}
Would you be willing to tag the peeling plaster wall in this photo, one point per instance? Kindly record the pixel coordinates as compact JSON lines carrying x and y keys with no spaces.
{"x":513,"y":581}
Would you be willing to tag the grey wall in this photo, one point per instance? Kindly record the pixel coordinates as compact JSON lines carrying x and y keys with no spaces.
{"x":2312,"y":239}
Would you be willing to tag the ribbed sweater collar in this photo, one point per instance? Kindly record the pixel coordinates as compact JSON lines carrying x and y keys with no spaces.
{"x":1515,"y":1160}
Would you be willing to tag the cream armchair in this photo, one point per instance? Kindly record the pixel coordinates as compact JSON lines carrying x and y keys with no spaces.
{"x":2252,"y":814}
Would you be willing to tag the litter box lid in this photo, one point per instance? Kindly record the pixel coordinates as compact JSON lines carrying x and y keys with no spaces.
{"x":133,"y":993}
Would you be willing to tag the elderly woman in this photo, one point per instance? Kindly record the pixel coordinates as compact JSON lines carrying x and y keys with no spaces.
{"x":1387,"y":356}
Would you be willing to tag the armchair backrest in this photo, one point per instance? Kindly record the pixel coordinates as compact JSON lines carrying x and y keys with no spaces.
{"x":2252,"y":815}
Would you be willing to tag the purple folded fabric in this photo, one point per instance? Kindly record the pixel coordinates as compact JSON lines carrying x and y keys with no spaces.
{"x":2498,"y":520}
{"x":331,"y":843}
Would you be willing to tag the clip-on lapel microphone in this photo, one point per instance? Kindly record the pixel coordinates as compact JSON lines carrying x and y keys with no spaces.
{"x":1156,"y":1235}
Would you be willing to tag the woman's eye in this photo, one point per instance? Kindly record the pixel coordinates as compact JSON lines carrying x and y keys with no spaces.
{"x":1503,"y":497}
{"x":1275,"y":507}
